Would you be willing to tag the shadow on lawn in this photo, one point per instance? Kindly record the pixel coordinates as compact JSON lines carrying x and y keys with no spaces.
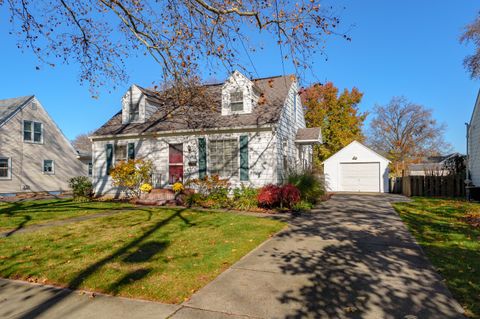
{"x":143,"y":253}
{"x":27,"y":209}
{"x":365,"y":264}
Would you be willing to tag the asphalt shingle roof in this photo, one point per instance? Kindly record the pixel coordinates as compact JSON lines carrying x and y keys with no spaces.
{"x":10,"y":106}
{"x":308,"y":134}
{"x":274,"y":91}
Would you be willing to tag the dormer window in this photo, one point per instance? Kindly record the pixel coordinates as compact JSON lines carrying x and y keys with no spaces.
{"x":236,"y":101}
{"x":134,"y":112}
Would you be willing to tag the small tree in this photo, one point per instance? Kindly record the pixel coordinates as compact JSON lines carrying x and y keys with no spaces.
{"x":130,"y":175}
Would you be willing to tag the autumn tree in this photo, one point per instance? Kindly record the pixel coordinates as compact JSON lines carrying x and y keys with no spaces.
{"x":404,"y":132}
{"x":83,"y":143}
{"x":180,"y":35}
{"x":471,"y":34}
{"x":336,"y":114}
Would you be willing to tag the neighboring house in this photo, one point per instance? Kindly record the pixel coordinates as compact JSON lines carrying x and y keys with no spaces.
{"x":356,"y":168}
{"x":35,"y":156}
{"x":473,"y":145}
{"x":252,"y":132}
{"x":86,"y":159}
{"x":431,"y":166}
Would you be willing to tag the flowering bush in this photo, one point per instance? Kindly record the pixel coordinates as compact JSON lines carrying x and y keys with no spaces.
{"x":289,"y":195}
{"x":269,"y":196}
{"x":130,"y":175}
{"x":177,"y":187}
{"x":146,"y":188}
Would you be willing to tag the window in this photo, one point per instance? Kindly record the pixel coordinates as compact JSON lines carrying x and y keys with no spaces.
{"x":90,"y":168}
{"x":223,"y":157}
{"x":120,"y":153}
{"x":236,"y":101}
{"x":134,"y":112}
{"x":5,"y":168}
{"x":32,"y":132}
{"x":48,"y":167}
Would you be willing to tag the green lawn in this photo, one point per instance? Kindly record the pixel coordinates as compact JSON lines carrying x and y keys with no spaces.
{"x":22,"y":214}
{"x":154,"y":253}
{"x":452,"y":245}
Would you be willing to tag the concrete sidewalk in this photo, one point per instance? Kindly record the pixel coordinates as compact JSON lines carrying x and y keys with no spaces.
{"x":24,"y":300}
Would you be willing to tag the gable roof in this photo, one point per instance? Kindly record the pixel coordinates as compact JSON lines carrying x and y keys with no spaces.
{"x":274,"y":90}
{"x":351,"y":144}
{"x":8,"y":107}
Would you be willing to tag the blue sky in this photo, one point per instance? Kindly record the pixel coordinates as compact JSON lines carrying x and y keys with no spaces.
{"x":404,"y":47}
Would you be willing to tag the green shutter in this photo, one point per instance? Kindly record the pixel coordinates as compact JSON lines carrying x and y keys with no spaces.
{"x":202,"y":157}
{"x":131,"y":151}
{"x":109,"y":154}
{"x":244,"y":158}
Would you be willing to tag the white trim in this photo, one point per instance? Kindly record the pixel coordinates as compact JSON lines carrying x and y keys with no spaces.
{"x":237,"y":129}
{"x":9,"y":171}
{"x":346,"y":147}
{"x":32,"y":132}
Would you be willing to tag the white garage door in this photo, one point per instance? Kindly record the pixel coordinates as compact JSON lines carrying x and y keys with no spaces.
{"x":360,"y":177}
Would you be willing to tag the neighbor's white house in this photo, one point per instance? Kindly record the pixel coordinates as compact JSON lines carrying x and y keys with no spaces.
{"x":356,"y":168}
{"x":253,"y":132}
{"x":473,"y":145}
{"x":35,"y":156}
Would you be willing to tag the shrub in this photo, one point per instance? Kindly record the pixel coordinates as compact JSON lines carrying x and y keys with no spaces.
{"x":130,"y":175}
{"x":193,"y":199}
{"x":209,"y":184}
{"x":146,"y":188}
{"x":177,"y":187}
{"x":309,"y":184}
{"x":269,"y":196}
{"x":289,"y":195}
{"x":245,"y":198}
{"x":82,"y":188}
{"x":302,"y":206}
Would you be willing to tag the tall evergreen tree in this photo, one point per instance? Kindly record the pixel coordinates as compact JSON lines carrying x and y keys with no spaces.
{"x":336,"y":114}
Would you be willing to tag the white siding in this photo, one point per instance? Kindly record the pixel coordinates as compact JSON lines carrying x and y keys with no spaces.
{"x":261,"y":157}
{"x":353,"y":153}
{"x":474,"y":145}
{"x":27,"y":158}
{"x":291,"y":119}
{"x":238,"y":81}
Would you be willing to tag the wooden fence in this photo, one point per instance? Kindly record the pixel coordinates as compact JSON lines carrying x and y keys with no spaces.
{"x":429,"y":186}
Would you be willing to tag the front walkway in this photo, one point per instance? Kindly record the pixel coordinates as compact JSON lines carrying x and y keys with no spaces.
{"x":351,"y":258}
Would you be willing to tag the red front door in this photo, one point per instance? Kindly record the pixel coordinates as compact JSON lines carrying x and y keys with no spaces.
{"x":175,"y":163}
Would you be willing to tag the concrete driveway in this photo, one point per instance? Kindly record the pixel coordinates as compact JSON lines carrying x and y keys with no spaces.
{"x":351,"y":258}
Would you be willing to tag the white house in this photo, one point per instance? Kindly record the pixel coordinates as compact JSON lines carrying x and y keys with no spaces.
{"x":35,"y":156}
{"x":473,"y":145}
{"x":356,"y":168}
{"x":250,"y":131}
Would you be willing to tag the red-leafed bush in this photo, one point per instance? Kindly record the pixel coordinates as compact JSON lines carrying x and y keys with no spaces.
{"x":289,"y":195}
{"x":272,"y":196}
{"x":269,"y":196}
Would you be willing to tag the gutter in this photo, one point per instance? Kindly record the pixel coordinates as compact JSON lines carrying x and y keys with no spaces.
{"x":267,"y":127}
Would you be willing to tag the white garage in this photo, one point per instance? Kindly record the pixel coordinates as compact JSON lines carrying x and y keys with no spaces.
{"x":356,"y":168}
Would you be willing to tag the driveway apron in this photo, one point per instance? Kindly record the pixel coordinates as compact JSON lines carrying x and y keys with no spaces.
{"x":352,"y":257}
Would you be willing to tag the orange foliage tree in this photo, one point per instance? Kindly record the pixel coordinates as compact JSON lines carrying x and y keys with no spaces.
{"x":336,"y":114}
